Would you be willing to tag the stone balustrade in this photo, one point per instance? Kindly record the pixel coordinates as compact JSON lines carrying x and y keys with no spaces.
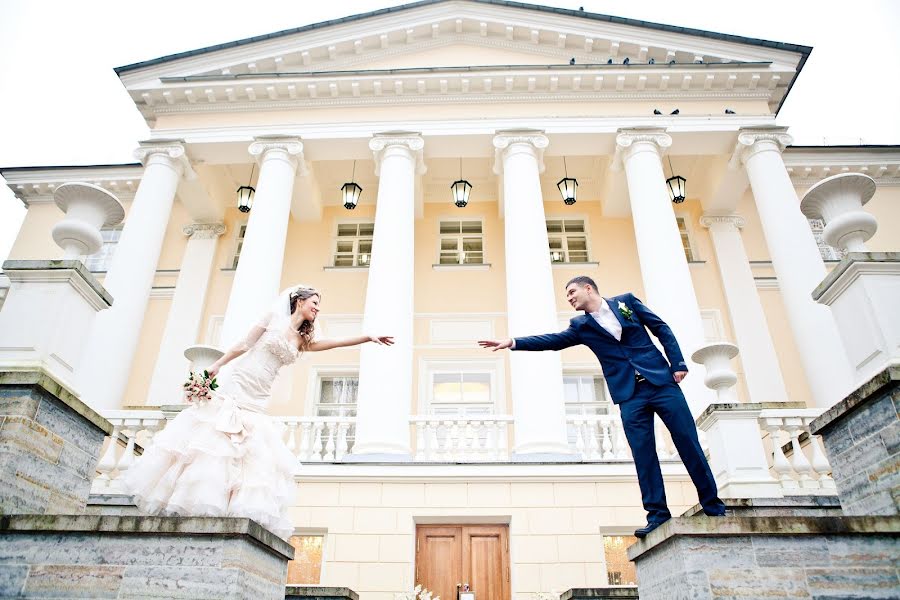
{"x":133,"y":430}
{"x":601,"y":437}
{"x":480,"y":439}
{"x":319,"y":439}
{"x":796,"y":457}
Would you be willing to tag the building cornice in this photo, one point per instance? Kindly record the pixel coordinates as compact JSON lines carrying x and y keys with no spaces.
{"x":809,"y":165}
{"x":35,"y":185}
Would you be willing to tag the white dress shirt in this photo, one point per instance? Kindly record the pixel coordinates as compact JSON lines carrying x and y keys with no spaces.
{"x":608,"y":320}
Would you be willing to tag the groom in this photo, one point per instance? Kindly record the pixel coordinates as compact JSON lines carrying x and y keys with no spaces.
{"x":640,"y":381}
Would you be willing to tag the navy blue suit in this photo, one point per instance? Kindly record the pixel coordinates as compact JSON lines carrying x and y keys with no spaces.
{"x":639,"y":401}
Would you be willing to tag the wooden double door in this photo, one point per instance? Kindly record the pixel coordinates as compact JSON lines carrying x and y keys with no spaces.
{"x":477,"y":555}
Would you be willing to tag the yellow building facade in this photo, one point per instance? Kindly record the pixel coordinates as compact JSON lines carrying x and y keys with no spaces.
{"x":404,"y":102}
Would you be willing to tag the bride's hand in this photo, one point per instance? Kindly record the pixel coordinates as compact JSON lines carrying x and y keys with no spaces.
{"x":384,"y":340}
{"x":213,"y":371}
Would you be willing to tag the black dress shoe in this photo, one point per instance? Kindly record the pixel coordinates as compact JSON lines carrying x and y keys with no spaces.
{"x":643,"y":531}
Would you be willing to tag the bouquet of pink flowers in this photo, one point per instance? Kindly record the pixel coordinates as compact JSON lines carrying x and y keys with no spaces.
{"x":199,"y":387}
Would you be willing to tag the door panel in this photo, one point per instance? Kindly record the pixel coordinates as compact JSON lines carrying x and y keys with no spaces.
{"x":473,"y":554}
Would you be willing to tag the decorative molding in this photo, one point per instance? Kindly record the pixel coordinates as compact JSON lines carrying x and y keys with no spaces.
{"x":808,"y":166}
{"x":752,"y":141}
{"x":36,"y":186}
{"x":631,"y":140}
{"x":171,"y":152}
{"x":277,"y":147}
{"x":410,"y":140}
{"x":505,"y":141}
{"x":203,"y":231}
{"x":728,"y":222}
{"x":766,"y":283}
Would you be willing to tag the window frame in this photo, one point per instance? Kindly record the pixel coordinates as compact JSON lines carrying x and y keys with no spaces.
{"x":459,"y":236}
{"x":586,"y":233}
{"x":817,"y":227}
{"x":428,"y":368}
{"x":335,"y":238}
{"x":107,"y":258}
{"x":586,"y":371}
{"x":691,"y":238}
{"x":237,"y":241}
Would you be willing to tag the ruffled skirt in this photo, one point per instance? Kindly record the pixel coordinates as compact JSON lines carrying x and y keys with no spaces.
{"x":217,"y":460}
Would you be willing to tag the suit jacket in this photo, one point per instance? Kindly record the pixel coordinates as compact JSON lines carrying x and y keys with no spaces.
{"x":619,"y":359}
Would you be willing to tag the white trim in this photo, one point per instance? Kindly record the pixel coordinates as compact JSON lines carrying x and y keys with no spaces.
{"x":473,"y":267}
{"x":338,"y":221}
{"x":429,"y":366}
{"x":441,"y":236}
{"x":689,"y":229}
{"x":766,"y":283}
{"x":587,"y":236}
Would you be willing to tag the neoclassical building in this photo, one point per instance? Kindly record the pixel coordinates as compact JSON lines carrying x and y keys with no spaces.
{"x":433,"y":461}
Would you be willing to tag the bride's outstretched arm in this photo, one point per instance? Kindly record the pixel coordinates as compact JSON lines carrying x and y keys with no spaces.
{"x":239,"y":348}
{"x":320,"y":345}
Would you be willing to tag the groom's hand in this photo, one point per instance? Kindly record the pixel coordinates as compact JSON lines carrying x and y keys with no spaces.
{"x":496,"y":344}
{"x":679,"y":375}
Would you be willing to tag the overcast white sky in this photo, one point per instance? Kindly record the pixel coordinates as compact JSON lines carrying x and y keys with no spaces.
{"x":61,"y":103}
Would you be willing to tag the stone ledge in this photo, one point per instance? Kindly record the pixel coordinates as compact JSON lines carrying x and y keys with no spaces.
{"x":316,"y":592}
{"x":601,"y":593}
{"x":743,"y":407}
{"x":160,"y":526}
{"x":61,"y":265}
{"x":784,"y":507}
{"x":850,"y":259}
{"x":763,"y":526}
{"x":42,"y":382}
{"x":870,"y":390}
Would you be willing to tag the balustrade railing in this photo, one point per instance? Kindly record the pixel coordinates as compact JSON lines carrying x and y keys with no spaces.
{"x":133,"y":430}
{"x":481,"y":439}
{"x":807,"y":470}
{"x":319,"y":439}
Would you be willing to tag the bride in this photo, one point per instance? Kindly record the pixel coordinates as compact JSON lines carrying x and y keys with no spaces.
{"x":225,"y":457}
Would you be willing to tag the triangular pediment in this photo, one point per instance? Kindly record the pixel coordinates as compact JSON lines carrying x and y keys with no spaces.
{"x":434,"y":36}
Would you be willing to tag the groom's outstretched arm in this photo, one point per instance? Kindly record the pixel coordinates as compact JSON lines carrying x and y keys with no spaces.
{"x":663,"y":333}
{"x":549,"y":341}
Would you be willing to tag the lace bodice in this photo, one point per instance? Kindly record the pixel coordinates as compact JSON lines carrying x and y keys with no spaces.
{"x":251,"y":377}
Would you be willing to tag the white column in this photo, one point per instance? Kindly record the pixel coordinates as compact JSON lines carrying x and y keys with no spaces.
{"x":761,"y":369}
{"x":664,"y":267}
{"x":185,"y":312}
{"x":257,"y":279}
{"x":114,"y":337}
{"x":797,"y":262}
{"x":536,"y":377}
{"x":385,"y":373}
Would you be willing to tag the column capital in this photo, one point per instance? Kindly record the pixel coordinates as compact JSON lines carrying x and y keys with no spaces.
{"x":759,"y":139}
{"x":410,"y":142}
{"x":528,"y":140}
{"x":168,"y":152}
{"x":203,"y":231}
{"x":630,"y":141}
{"x":279,"y":147}
{"x":729,"y":222}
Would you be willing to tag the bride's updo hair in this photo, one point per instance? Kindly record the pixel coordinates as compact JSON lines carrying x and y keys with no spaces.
{"x":306,"y":329}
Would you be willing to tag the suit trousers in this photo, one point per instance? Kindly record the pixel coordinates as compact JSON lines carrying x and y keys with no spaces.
{"x":669,"y":403}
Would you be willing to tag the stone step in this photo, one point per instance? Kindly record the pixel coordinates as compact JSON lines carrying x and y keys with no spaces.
{"x":766,"y":557}
{"x":88,"y":556}
{"x":610,"y":592}
{"x":316,"y":592}
{"x":789,"y":506}
{"x":117,"y":505}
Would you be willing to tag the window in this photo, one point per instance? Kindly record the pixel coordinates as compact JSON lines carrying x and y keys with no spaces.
{"x":827,"y":252}
{"x":238,"y":244}
{"x":585,"y":396}
{"x":689,"y":253}
{"x":568,"y":241}
{"x":354,"y":244}
{"x":337,"y":398}
{"x":306,"y":568}
{"x":619,"y":570}
{"x":461,"y":243}
{"x":461,"y":394}
{"x":102,"y":259}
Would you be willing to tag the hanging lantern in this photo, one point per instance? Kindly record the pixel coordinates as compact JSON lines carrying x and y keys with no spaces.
{"x":460,"y":189}
{"x":351,"y":192}
{"x":245,"y":194}
{"x":568,"y":186}
{"x":676,"y":185}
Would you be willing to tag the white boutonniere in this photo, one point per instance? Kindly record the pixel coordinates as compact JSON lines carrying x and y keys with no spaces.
{"x":625,"y":311}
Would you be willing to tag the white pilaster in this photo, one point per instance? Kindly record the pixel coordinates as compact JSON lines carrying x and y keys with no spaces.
{"x":257,"y":279}
{"x":536,"y":377}
{"x":761,"y":369}
{"x":385,"y":373}
{"x":797,"y":262}
{"x":185,"y":312}
{"x":664,"y":268}
{"x":114,"y":337}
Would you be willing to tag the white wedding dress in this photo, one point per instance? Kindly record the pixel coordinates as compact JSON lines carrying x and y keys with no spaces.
{"x":225,"y":457}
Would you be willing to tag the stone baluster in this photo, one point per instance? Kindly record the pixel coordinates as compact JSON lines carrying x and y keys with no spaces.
{"x":316,"y":455}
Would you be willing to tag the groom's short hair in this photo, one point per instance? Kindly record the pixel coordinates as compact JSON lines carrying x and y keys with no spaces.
{"x":582,"y":280}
